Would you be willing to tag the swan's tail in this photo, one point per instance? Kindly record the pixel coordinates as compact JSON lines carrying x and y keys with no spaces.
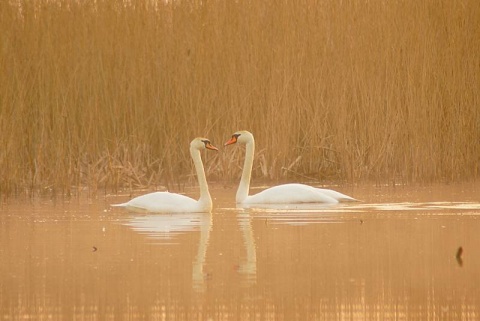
{"x":348,"y":199}
{"x":345,"y":198}
{"x":338,"y":196}
{"x":119,"y":205}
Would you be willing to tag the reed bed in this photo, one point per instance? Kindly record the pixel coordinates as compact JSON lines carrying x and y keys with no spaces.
{"x":108,"y":94}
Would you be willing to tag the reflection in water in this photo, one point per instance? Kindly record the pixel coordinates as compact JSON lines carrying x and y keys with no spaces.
{"x":198,"y":276}
{"x":248,"y":267}
{"x":305,"y":214}
{"x":164,"y":227}
{"x":395,"y":258}
{"x":291,"y":207}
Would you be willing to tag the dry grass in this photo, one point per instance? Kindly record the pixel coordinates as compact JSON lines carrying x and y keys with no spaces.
{"x":109,"y":95}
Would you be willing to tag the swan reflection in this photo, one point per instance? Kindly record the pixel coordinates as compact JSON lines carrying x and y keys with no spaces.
{"x":248,"y":267}
{"x":165,"y":227}
{"x":294,"y":206}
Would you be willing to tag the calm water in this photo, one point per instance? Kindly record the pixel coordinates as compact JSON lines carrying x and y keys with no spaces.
{"x":391,"y":257}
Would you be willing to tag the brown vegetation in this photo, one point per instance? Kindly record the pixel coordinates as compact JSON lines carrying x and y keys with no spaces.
{"x":108,"y":94}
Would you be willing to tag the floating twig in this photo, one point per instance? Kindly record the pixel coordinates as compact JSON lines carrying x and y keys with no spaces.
{"x":458,"y":256}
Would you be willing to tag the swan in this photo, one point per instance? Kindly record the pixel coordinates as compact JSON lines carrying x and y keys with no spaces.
{"x":280,"y":194}
{"x":165,"y":202}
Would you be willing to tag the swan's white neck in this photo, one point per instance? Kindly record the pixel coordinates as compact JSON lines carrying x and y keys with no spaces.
{"x":205,"y":201}
{"x":244,"y":187}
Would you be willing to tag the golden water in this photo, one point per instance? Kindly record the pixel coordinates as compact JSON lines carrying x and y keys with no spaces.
{"x":390,"y":257}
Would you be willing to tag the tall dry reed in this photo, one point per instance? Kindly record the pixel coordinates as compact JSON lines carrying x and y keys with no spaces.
{"x":107,"y":94}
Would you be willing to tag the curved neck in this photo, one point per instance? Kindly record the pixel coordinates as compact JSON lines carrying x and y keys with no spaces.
{"x":243,"y":188}
{"x":202,"y":179}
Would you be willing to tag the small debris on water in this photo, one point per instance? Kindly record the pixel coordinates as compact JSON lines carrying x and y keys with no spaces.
{"x":458,"y":256}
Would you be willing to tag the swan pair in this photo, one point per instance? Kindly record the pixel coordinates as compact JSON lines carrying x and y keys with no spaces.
{"x":165,"y":202}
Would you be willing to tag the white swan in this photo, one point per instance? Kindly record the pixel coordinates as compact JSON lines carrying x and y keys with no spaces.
{"x":281,"y":194}
{"x":165,"y":202}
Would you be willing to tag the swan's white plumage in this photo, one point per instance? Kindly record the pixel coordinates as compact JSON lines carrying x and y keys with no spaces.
{"x":162,"y":202}
{"x":289,"y":193}
{"x":166,"y":202}
{"x":281,"y":194}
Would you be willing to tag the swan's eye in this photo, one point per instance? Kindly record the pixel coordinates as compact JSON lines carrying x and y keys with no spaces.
{"x":208,"y":145}
{"x":232,"y":140}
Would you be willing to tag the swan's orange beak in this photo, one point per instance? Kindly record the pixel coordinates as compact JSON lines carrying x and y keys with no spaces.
{"x":210,"y":146}
{"x":231,"y":141}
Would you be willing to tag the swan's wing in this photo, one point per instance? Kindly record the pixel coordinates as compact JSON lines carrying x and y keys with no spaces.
{"x":290,"y":193}
{"x":162,"y":202}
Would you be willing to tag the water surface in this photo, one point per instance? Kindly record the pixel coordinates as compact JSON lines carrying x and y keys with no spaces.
{"x":404,"y":253}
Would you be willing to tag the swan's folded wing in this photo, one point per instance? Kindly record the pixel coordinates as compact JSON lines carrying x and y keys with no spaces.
{"x":163,"y":202}
{"x":290,"y":193}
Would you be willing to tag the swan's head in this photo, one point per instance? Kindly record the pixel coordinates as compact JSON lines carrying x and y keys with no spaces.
{"x":241,"y":136}
{"x":202,"y":143}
